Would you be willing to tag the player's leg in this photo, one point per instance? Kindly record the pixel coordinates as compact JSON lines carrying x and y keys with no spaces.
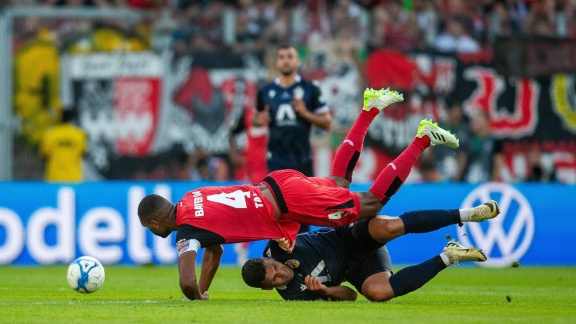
{"x":384,"y":229}
{"x":395,"y":173}
{"x":383,"y":286}
{"x":349,"y":151}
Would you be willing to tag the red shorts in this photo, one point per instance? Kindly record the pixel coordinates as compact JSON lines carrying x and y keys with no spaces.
{"x":311,"y":200}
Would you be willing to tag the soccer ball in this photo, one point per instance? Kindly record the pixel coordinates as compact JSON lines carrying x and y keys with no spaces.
{"x":85,"y":274}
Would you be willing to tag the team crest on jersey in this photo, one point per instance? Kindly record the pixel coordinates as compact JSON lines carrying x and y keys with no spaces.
{"x":293,"y":263}
{"x":271,"y":93}
{"x":298,"y":93}
{"x":268,"y":253}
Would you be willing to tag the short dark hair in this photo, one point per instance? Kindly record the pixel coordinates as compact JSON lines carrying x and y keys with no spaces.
{"x":148,"y":207}
{"x":254,"y":272}
{"x":284,"y":46}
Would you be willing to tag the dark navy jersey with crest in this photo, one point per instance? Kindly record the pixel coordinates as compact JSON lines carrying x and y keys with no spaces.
{"x":331,"y":255}
{"x":289,"y":134}
{"x":317,"y":254}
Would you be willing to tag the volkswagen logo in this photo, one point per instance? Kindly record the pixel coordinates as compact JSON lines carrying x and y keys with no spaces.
{"x":505,"y":238}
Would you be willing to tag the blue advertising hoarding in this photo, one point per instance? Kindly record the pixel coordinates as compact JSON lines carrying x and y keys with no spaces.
{"x":42,"y":223}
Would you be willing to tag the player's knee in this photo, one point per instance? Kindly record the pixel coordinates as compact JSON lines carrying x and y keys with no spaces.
{"x":393,"y":227}
{"x":378,"y":292}
{"x":386,"y":229}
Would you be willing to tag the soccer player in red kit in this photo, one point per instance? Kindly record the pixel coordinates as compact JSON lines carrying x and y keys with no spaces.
{"x":274,"y":209}
{"x":253,"y":158}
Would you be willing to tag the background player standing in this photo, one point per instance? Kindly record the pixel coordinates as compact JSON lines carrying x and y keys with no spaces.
{"x":290,"y":105}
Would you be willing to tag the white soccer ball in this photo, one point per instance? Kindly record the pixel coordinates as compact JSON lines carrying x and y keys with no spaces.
{"x":85,"y":274}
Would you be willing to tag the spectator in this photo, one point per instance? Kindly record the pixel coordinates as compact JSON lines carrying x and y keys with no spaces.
{"x":501,"y":23}
{"x":201,"y":25}
{"x":478,"y":21}
{"x":63,"y":147}
{"x":428,"y":171}
{"x":455,"y":39}
{"x":517,"y":10}
{"x":395,"y":28}
{"x":451,"y":164}
{"x":484,"y":158}
{"x":207,"y":167}
{"x":311,"y":22}
{"x":427,"y":16}
{"x":567,"y":19}
{"x":540,"y":169}
{"x":253,"y":20}
{"x":542,"y":20}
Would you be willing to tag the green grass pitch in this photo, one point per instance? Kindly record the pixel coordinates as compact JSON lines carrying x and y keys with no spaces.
{"x":149,"y":294}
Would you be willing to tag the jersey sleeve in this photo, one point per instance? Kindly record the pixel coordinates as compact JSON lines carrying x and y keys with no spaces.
{"x":318,"y":103}
{"x":204,"y":237}
{"x":296,"y":294}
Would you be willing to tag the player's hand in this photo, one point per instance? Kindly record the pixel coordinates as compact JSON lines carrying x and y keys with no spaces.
{"x":313,"y":284}
{"x":261,"y":118}
{"x":205,"y":296}
{"x":285,"y":245}
{"x":299,"y":106}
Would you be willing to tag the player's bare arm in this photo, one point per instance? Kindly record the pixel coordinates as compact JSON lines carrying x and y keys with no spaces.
{"x":210,"y":263}
{"x":330,"y":293}
{"x":187,"y":273}
{"x":322,"y":121}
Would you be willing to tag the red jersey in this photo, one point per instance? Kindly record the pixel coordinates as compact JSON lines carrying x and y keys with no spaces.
{"x":238,"y":213}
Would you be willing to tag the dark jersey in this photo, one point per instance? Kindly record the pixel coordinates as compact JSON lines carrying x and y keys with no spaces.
{"x":316,"y":254}
{"x":289,"y":137}
{"x":332,"y":255}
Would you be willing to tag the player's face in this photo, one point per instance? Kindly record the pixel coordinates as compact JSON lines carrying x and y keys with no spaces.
{"x":277,"y":274}
{"x":159,"y":230}
{"x":287,"y":61}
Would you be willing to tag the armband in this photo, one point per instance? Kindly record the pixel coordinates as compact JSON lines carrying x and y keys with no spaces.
{"x":186,"y":245}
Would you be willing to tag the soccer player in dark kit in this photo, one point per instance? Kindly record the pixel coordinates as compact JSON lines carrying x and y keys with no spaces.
{"x":290,"y":106}
{"x":274,"y":209}
{"x":322,"y":260}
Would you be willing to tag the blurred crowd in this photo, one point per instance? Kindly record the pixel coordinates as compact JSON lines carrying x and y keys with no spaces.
{"x":444,"y":25}
{"x":351,"y":28}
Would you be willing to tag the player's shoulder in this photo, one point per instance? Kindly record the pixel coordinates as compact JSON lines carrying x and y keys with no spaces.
{"x":205,"y":237}
{"x":267,"y":86}
{"x":309,"y":83}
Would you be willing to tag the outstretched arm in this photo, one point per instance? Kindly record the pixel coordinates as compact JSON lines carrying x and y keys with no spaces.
{"x":210,"y":264}
{"x":330,"y":293}
{"x":187,"y":272}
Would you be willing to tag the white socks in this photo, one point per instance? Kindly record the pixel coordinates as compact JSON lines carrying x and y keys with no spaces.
{"x":464,"y":215}
{"x":445,"y":259}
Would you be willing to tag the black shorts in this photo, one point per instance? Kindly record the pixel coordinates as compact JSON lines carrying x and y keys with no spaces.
{"x":365,"y":255}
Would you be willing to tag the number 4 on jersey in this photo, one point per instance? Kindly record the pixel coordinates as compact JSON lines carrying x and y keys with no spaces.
{"x":236,"y":199}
